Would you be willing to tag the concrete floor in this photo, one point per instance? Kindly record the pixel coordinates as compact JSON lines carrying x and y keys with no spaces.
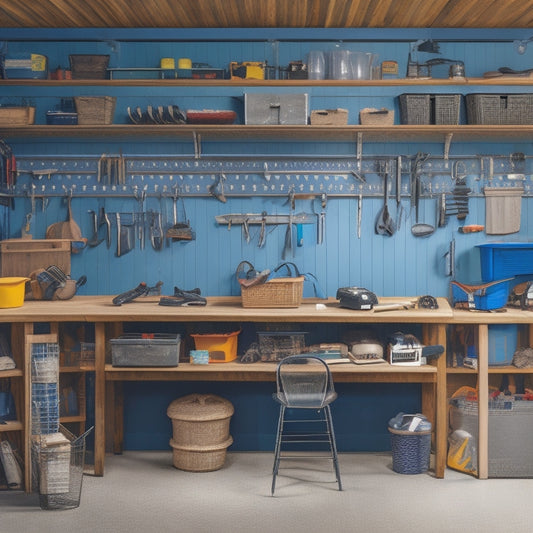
{"x":143,"y":492}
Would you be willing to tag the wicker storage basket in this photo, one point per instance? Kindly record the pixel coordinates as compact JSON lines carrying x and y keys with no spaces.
{"x":376,"y":117}
{"x":278,"y":292}
{"x":200,"y":424}
{"x":430,"y":109}
{"x":499,"y":109}
{"x":95,"y":109}
{"x":88,"y":66}
{"x":17,"y":116}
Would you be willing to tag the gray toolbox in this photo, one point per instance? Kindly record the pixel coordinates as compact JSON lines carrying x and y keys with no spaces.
{"x":276,"y":109}
{"x":146,"y":349}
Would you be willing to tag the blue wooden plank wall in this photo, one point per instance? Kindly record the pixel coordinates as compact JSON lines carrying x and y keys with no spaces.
{"x":401,"y":265}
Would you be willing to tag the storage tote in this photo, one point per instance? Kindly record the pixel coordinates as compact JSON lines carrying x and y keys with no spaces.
{"x":510,"y":454}
{"x":424,"y":109}
{"x":505,"y":259}
{"x":484,"y":297}
{"x":145,"y":349}
{"x":222,"y":347}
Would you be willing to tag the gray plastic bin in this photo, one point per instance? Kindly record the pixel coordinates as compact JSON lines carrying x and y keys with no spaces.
{"x":137,"y":349}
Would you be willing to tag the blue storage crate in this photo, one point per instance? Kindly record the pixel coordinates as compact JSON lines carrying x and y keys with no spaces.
{"x":504,"y":259}
{"x":484,"y":296}
{"x":503,"y":339}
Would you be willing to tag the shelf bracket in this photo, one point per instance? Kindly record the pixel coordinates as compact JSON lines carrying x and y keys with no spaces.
{"x":197,"y":137}
{"x":447,"y":144}
{"x":359,"y":149}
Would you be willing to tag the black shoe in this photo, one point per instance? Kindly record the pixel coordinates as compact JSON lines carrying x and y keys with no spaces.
{"x":179,"y":292}
{"x":130,"y":295}
{"x":184,"y":299}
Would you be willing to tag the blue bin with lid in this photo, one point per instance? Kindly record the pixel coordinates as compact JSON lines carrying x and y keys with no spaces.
{"x":505,"y":259}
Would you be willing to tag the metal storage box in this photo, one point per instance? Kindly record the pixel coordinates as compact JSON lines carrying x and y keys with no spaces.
{"x":510,"y":434}
{"x":504,"y":259}
{"x":20,"y":257}
{"x":145,"y":349}
{"x":272,"y":109}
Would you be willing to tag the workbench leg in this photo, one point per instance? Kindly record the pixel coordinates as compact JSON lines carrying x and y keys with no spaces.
{"x":434,"y":399}
{"x":99,"y":399}
{"x":115,"y":417}
{"x":483,"y":402}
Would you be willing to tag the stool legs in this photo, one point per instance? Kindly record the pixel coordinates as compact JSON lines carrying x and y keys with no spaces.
{"x":331,"y":441}
{"x":333,"y":444}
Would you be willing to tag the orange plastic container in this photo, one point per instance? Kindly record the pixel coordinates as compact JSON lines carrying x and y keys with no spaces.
{"x":222,"y":347}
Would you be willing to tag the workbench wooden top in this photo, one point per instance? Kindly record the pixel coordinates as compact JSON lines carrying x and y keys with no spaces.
{"x":235,"y":371}
{"x":218,"y":309}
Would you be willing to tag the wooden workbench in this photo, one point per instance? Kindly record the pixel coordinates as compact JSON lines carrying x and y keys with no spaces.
{"x":108,"y":322}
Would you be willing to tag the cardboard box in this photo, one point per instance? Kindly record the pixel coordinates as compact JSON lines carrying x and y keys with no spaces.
{"x":329,"y":117}
{"x":276,"y":109}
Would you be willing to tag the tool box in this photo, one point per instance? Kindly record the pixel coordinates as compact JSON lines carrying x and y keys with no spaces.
{"x":275,"y":109}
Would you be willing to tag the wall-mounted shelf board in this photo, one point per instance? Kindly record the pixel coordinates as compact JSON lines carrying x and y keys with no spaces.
{"x":182,"y":82}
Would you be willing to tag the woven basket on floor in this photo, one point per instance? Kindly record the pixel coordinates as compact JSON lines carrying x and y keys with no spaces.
{"x":95,"y":109}
{"x":278,"y":292}
{"x":200,"y":424}
{"x":200,"y":458}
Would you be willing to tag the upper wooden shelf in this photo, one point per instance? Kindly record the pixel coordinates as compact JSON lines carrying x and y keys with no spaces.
{"x":351,"y":133}
{"x":503,"y":81}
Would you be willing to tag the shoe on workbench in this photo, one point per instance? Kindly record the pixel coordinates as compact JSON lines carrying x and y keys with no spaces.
{"x":128,"y":296}
{"x":182,"y":299}
{"x":178,"y":291}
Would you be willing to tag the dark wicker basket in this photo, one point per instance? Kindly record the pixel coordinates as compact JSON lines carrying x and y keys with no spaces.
{"x":410,"y":451}
{"x":499,"y":109}
{"x":88,"y":66}
{"x":424,"y":109}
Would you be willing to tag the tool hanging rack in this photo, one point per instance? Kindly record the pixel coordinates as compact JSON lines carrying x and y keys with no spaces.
{"x":120,"y":176}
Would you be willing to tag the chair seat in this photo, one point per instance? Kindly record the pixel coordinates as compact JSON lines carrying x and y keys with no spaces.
{"x":305,"y":401}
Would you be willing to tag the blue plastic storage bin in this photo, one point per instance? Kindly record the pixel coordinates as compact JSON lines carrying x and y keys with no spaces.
{"x":503,"y":339}
{"x":483,"y":296}
{"x":505,"y":259}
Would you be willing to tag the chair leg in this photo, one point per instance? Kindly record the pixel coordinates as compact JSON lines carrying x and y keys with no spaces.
{"x":333,"y":444}
{"x":277,"y":450}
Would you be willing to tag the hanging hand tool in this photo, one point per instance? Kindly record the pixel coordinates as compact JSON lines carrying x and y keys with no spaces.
{"x":321,"y":223}
{"x":359,"y":214}
{"x":25,"y":230}
{"x":94,"y":240}
{"x":399,"y":208}
{"x":262,"y":233}
{"x":384,"y":223}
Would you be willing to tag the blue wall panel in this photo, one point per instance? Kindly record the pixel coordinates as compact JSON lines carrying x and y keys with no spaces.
{"x":401,"y":265}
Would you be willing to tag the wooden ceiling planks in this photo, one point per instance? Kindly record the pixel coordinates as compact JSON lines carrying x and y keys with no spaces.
{"x":266,"y":13}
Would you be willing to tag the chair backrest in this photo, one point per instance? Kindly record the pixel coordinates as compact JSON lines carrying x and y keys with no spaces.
{"x":304,"y":381}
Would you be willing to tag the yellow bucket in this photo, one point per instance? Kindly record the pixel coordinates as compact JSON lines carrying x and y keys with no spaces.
{"x":12,"y":292}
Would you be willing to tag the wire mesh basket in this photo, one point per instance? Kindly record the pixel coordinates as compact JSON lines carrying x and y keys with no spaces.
{"x":499,"y":109}
{"x":58,"y":463}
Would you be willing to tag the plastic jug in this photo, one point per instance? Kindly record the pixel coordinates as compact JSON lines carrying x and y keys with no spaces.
{"x":361,"y":63}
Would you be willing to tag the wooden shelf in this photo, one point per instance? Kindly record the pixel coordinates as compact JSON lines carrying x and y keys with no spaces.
{"x":502,"y":81}
{"x":15,"y":373}
{"x":351,"y":133}
{"x":11,"y":425}
{"x":75,"y":369}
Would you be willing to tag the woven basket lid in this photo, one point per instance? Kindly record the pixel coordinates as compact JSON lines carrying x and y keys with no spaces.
{"x":200,"y":407}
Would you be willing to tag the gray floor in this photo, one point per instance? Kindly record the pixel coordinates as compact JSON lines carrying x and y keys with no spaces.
{"x":143,"y":492}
